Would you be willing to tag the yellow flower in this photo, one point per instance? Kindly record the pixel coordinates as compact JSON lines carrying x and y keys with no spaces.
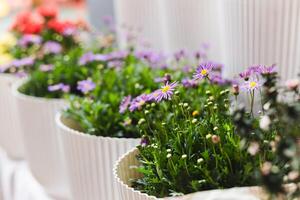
{"x":5,"y":58}
{"x":7,"y":41}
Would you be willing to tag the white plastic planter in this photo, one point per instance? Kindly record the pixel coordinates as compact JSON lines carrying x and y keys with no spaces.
{"x":90,"y":160}
{"x":261,"y":32}
{"x":42,"y":146}
{"x":124,"y":172}
{"x":144,"y":17}
{"x":11,"y":139}
{"x":189,"y":24}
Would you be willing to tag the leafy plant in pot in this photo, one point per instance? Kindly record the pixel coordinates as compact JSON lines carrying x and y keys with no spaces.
{"x":190,"y":143}
{"x":40,"y":96}
{"x":92,"y":130}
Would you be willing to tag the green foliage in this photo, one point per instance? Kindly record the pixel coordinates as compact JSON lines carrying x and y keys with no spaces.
{"x":98,"y":111}
{"x":191,"y":145}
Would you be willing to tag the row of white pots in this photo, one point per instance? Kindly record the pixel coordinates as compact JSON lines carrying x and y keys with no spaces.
{"x":241,"y":32}
{"x":69,"y":164}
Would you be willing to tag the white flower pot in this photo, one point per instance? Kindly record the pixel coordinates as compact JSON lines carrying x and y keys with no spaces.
{"x":11,"y":139}
{"x":261,"y":32}
{"x":90,"y":161}
{"x":143,"y":17}
{"x":42,"y":146}
{"x":124,"y":173}
{"x":189,"y":24}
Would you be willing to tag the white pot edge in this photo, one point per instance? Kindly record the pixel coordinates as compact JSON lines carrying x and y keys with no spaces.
{"x":16,"y":93}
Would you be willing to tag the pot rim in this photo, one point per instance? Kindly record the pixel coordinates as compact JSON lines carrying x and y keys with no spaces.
{"x":131,"y":189}
{"x":25,"y":97}
{"x":70,"y":130}
{"x":127,"y":187}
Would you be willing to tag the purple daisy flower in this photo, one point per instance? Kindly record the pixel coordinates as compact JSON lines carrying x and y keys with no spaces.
{"x":138,"y":102}
{"x":86,"y":58}
{"x":29,"y":39}
{"x":203,"y":71}
{"x":46,"y":67}
{"x":59,"y":87}
{"x":245,"y":74}
{"x":181,"y":54}
{"x":27,"y":61}
{"x":165,"y":92}
{"x":86,"y":86}
{"x":217,"y":79}
{"x":251,"y":85}
{"x":189,"y":83}
{"x":52,"y":47}
{"x":124,"y":104}
{"x":268,"y":69}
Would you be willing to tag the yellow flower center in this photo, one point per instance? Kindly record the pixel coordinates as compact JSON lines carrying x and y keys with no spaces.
{"x":252,"y":84}
{"x":141,"y":103}
{"x":166,"y":89}
{"x":204,"y":72}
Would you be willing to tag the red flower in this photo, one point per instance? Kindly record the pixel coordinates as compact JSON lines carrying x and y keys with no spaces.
{"x":60,"y":26}
{"x":49,"y":12}
{"x":27,"y":23}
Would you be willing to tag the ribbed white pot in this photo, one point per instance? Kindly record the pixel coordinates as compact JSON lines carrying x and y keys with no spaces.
{"x":42,"y":145}
{"x":189,"y":24}
{"x":141,"y":15}
{"x":261,"y":32}
{"x":90,"y":160}
{"x":11,"y":139}
{"x":124,"y":173}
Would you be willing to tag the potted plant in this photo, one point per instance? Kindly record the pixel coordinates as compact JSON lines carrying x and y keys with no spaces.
{"x":54,"y":74}
{"x":258,"y":33}
{"x":92,"y":130}
{"x":17,"y":56}
{"x":190,"y":144}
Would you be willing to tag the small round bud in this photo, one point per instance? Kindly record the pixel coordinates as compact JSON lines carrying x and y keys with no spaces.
{"x":208,"y":92}
{"x":194,"y":121}
{"x":169,"y":155}
{"x":163,"y":123}
{"x":184,"y":156}
{"x":200,"y":160}
{"x":153,"y":104}
{"x":176,"y":92}
{"x":141,"y":121}
{"x":208,"y":136}
{"x":147,"y":112}
{"x":215,"y":128}
{"x":215,"y":139}
{"x":235,"y":89}
{"x":195,"y":113}
{"x":185,"y":105}
{"x":169,"y":150}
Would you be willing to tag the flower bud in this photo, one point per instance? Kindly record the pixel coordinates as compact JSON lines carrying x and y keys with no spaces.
{"x":169,"y":150}
{"x":200,"y":160}
{"x":169,"y":155}
{"x":235,"y":89}
{"x":195,"y":113}
{"x":215,"y":139}
{"x":292,"y":84}
{"x":141,"y":121}
{"x":185,"y":105}
{"x":194,"y":121}
{"x":184,"y":156}
{"x":208,"y":136}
